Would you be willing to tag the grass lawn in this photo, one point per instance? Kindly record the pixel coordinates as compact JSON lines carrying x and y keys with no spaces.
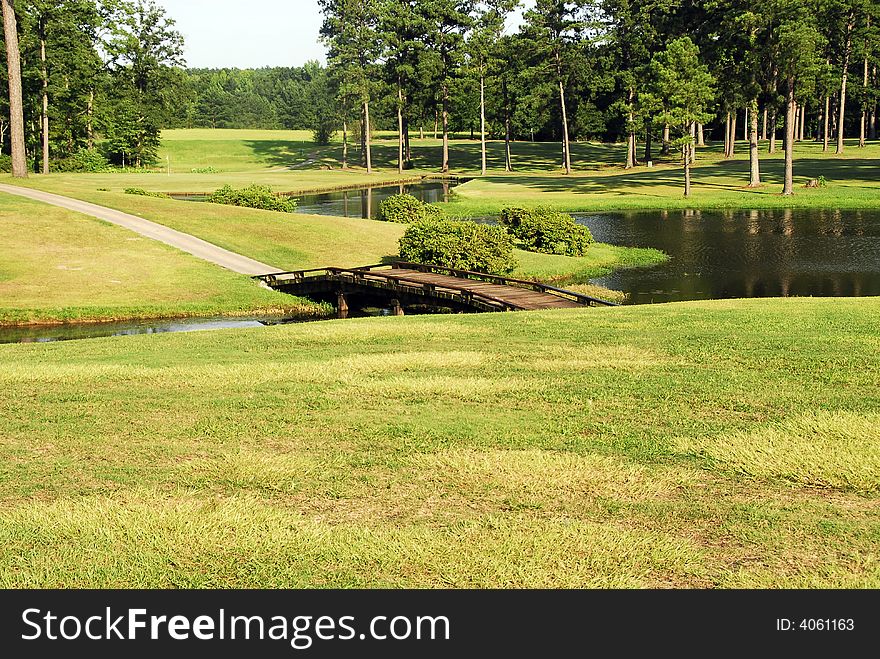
{"x":297,"y":241}
{"x":59,"y":266}
{"x":598,"y":181}
{"x":722,"y":444}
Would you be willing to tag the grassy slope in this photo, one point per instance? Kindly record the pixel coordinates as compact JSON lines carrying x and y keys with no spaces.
{"x":729,"y":444}
{"x":56,"y":265}
{"x":304,"y":241}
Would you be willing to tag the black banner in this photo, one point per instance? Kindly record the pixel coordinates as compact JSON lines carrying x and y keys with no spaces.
{"x":422,"y":623}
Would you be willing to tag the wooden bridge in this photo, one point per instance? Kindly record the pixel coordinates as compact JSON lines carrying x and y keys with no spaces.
{"x":399,"y":284}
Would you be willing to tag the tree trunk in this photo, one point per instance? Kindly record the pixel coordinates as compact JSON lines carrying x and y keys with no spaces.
{"x":407,"y":146}
{"x":344,"y":138}
{"x":508,"y":163}
{"x":44,"y":73}
{"x":803,"y":122}
{"x":788,"y":187}
{"x":16,"y":109}
{"x":482,"y":124}
{"x":701,"y":137}
{"x":368,"y":151}
{"x":771,"y":148}
{"x":842,"y":108}
{"x":826,"y":122}
{"x":797,"y":120}
{"x":648,"y":141}
{"x":664,"y":150}
{"x":764,"y":124}
{"x":686,"y":156}
{"x":566,"y":146}
{"x":746,"y":124}
{"x":90,"y":126}
{"x":754,"y":162}
{"x":399,"y":127}
{"x":732,"y":134}
{"x":863,"y":123}
{"x":445,"y":112}
{"x":435,"y":124}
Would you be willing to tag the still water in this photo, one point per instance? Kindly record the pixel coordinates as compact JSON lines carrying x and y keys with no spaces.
{"x":757,"y":253}
{"x":361,"y":203}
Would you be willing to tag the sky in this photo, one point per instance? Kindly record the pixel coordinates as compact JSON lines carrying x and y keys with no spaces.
{"x":247,"y":33}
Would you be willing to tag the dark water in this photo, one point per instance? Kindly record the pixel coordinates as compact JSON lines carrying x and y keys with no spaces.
{"x":361,"y":203}
{"x":733,"y":254}
{"x":71,"y":332}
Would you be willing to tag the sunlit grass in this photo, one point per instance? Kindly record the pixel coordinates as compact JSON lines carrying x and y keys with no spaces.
{"x":626,"y":447}
{"x":59,"y":266}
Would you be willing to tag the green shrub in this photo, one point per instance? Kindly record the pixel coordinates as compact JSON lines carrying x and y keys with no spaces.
{"x":459,"y":244}
{"x":253,"y":196}
{"x":204,"y":170}
{"x":406,"y":209}
{"x":5,"y":163}
{"x":146,"y":193}
{"x":83,"y":161}
{"x":547,"y":231}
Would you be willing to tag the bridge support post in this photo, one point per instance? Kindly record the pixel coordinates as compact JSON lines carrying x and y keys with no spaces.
{"x":396,"y":308}
{"x":341,"y":306}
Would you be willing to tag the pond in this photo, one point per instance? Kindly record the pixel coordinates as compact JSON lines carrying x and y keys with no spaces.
{"x":752,"y":253}
{"x":360,"y":203}
{"x":73,"y":331}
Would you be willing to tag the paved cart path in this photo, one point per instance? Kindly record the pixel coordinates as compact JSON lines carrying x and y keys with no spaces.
{"x":182,"y":241}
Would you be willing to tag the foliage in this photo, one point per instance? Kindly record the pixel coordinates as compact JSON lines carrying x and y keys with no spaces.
{"x":85,"y":161}
{"x":140,"y":192}
{"x":5,"y":163}
{"x":459,"y":244}
{"x":547,"y":231}
{"x":406,"y":209}
{"x":253,"y":196}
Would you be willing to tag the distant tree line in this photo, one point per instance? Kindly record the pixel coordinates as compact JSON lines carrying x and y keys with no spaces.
{"x":85,"y":72}
{"x":656,"y":74}
{"x":651,"y":73}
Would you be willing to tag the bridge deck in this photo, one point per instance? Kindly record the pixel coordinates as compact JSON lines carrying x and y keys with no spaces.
{"x":415,"y":283}
{"x":520,"y":298}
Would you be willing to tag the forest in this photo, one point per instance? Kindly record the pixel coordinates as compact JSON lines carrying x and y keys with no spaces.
{"x":109,"y":75}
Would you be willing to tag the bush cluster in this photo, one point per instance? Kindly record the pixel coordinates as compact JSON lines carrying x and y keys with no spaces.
{"x":406,"y":209}
{"x":146,"y":193}
{"x":253,"y":196}
{"x":458,"y":244}
{"x":547,"y":231}
{"x":83,"y":161}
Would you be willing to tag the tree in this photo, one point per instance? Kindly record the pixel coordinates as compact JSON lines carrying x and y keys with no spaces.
{"x":16,"y":106}
{"x":686,"y":92}
{"x":553,"y":26}
{"x":796,"y":45}
{"x":62,"y":34}
{"x":143,"y":48}
{"x":350,"y":31}
{"x":448,"y":22}
{"x":485,"y":49}
{"x":402,"y":30}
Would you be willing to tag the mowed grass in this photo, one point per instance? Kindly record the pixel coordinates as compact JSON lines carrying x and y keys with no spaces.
{"x":723,"y":444}
{"x":289,"y":162}
{"x":298,"y":241}
{"x":60,"y":266}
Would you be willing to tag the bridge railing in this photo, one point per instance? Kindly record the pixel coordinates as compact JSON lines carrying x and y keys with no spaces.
{"x":301,"y":275}
{"x":580,"y":298}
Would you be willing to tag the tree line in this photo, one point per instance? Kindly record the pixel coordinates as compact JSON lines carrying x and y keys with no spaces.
{"x":84,"y":72}
{"x":648,"y":72}
{"x":656,"y":74}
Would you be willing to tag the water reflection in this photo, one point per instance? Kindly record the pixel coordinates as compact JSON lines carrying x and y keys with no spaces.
{"x":751,"y":253}
{"x":364,"y":203}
